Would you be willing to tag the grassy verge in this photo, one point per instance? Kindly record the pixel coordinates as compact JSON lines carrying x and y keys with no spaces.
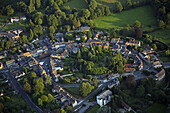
{"x":144,"y":14}
{"x":73,"y":90}
{"x":157,"y":108}
{"x":13,"y":26}
{"x":78,"y":4}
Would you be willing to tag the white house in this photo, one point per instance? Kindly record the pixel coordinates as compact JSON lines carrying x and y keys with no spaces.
{"x":16,"y":19}
{"x":104,"y":98}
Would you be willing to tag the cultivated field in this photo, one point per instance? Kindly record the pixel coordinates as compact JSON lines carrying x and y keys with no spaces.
{"x":78,"y":4}
{"x":144,"y":14}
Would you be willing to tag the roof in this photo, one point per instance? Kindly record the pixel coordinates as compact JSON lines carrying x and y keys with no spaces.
{"x":161,"y":73}
{"x":129,"y":69}
{"x":105,"y":93}
{"x":10,"y":62}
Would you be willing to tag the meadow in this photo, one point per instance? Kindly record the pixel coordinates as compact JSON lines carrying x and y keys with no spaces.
{"x":163,"y":35}
{"x":157,"y":108}
{"x":144,"y":14}
{"x":111,"y":3}
{"x":78,"y":4}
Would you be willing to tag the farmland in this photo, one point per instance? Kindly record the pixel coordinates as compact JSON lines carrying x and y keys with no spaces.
{"x":144,"y":14}
{"x":78,"y":4}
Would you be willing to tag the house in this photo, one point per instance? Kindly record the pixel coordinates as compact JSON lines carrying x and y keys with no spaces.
{"x":23,"y":18}
{"x":18,"y":74}
{"x":157,"y":64}
{"x":41,"y":70}
{"x":104,"y":97}
{"x":133,"y":43}
{"x":115,"y":40}
{"x":10,"y":63}
{"x":114,"y":83}
{"x":14,"y":34}
{"x":14,"y":19}
{"x":1,"y":65}
{"x":84,"y":28}
{"x":129,"y":69}
{"x":159,"y":76}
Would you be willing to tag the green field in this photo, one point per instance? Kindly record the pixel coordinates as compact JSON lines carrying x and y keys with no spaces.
{"x":157,"y":108}
{"x":164,"y":35}
{"x":111,"y":3}
{"x":144,"y":14}
{"x":78,"y":4}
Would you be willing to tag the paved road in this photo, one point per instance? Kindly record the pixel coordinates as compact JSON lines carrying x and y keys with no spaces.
{"x":93,"y":93}
{"x":25,"y":96}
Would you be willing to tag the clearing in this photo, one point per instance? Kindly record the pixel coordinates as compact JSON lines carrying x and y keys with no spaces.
{"x":144,"y":14}
{"x":78,"y":4}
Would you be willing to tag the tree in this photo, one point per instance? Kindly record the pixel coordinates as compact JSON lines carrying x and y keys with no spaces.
{"x":140,"y":91}
{"x":85,"y":88}
{"x":167,"y":52}
{"x":83,"y":39}
{"x":128,"y":3}
{"x":161,"y":24}
{"x":33,"y":75}
{"x":136,"y":47}
{"x":93,"y":4}
{"x":39,"y":87}
{"x":48,"y":80}
{"x":104,"y":109}
{"x":31,"y":35}
{"x":114,"y":35}
{"x":62,"y":110}
{"x":86,"y":13}
{"x":89,"y":34}
{"x":95,"y":83}
{"x":52,"y":29}
{"x":40,"y":102}
{"x":137,"y":24}
{"x":107,"y":11}
{"x":89,"y":77}
{"x":9,"y":10}
{"x":44,"y":98}
{"x":31,"y":7}
{"x":50,"y":98}
{"x":79,"y":55}
{"x":119,"y":7}
{"x":154,"y":46}
{"x":69,"y":109}
{"x":38,"y":3}
{"x":27,"y":87}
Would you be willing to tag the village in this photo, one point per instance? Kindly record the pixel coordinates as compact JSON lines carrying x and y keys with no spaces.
{"x":46,"y":59}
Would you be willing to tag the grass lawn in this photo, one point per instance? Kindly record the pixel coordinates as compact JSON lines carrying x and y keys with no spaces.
{"x":144,"y":14}
{"x":164,"y":35}
{"x":157,"y":108}
{"x":94,"y":109}
{"x":78,"y":4}
{"x":73,"y":90}
{"x":110,"y":3}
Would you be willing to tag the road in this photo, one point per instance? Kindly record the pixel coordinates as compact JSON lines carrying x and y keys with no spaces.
{"x":25,"y":96}
{"x":93,"y":93}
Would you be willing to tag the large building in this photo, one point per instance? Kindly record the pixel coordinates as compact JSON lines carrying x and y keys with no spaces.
{"x":104,"y":98}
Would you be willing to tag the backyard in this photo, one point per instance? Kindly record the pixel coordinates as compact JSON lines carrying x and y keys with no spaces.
{"x":144,"y":14}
